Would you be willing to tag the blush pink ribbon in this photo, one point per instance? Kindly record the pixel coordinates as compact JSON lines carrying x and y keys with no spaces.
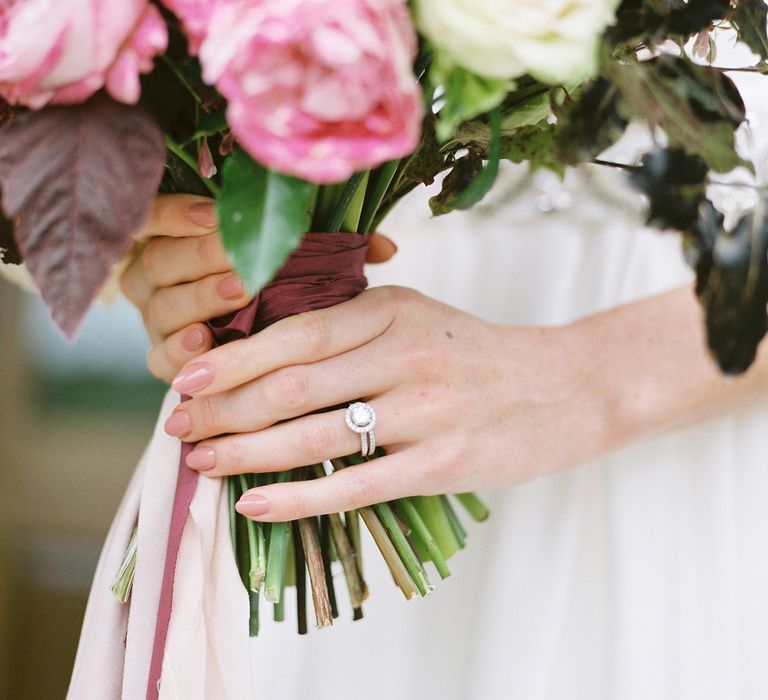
{"x":325,"y":270}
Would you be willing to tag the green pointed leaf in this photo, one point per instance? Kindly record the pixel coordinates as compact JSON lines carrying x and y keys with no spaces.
{"x":735,"y":292}
{"x":750,"y":18}
{"x":698,"y":107}
{"x":262,"y":217}
{"x":465,"y":96}
{"x":481,"y":185}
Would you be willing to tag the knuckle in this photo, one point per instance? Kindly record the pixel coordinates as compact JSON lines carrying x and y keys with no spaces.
{"x":209,"y":415}
{"x":290,"y":388}
{"x":207,"y":248}
{"x":418,"y":356}
{"x":200,"y":295}
{"x":322,"y":439}
{"x":152,"y":260}
{"x":297,"y":503}
{"x":360,"y":489}
{"x":313,"y":330}
{"x":175,"y":354}
{"x":233,"y":456}
{"x":156,"y":311}
{"x":399,"y":295}
{"x":445,"y":466}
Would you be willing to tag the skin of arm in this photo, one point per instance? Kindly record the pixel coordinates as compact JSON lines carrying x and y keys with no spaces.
{"x":462,"y":404}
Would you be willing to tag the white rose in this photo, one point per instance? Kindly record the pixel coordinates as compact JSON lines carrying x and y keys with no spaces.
{"x":556,"y":41}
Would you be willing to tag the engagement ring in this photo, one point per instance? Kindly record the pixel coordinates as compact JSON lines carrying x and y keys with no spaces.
{"x":361,"y":418}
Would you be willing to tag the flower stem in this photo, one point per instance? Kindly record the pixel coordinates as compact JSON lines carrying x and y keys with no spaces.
{"x":423,"y":535}
{"x":277,"y":554}
{"x":434,"y":515}
{"x":346,"y":198}
{"x":411,"y":562}
{"x":255,"y":543}
{"x":346,"y":553}
{"x":405,"y":552}
{"x":326,"y":551}
{"x":232,"y":496}
{"x":477,"y":510}
{"x":320,"y":598}
{"x":275,"y":577}
{"x":400,"y":574}
{"x":301,"y":579}
{"x":181,"y":153}
{"x":380,"y":181}
{"x":124,"y":579}
{"x":458,"y":529}
{"x":182,"y":79}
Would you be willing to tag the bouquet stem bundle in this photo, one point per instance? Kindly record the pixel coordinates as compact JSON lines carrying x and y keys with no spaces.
{"x":409,"y":532}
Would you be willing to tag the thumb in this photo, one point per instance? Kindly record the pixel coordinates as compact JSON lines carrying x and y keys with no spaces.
{"x":380,"y":248}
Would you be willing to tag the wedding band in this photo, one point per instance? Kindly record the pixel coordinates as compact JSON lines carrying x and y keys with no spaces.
{"x":361,"y":418}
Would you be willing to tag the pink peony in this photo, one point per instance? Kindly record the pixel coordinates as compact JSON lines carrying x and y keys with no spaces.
{"x":316,"y":89}
{"x":195,"y":16}
{"x":63,"y":52}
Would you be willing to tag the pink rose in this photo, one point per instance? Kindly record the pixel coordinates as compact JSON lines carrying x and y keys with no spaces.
{"x":316,"y":89}
{"x":195,"y":16}
{"x":63,"y":52}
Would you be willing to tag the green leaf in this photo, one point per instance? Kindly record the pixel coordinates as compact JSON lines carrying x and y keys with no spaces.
{"x":465,"y":94}
{"x":526,"y":107}
{"x":262,"y":217}
{"x":469,"y":181}
{"x":675,"y":184}
{"x":735,"y":292}
{"x":427,"y":161}
{"x":589,"y":123}
{"x":535,"y":145}
{"x":482,"y":183}
{"x":464,"y":171}
{"x":750,"y":18}
{"x":698,"y":107}
{"x":210,"y":125}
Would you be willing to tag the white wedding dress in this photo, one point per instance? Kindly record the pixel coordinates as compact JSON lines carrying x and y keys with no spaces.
{"x":641,"y":576}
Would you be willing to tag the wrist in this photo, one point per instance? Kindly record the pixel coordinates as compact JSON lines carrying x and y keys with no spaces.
{"x":611,"y":394}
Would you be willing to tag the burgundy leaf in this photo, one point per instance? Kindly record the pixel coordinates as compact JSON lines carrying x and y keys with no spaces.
{"x":78,"y":181}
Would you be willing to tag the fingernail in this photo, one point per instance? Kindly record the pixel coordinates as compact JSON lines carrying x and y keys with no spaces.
{"x":230,"y":287}
{"x":201,"y":458}
{"x":193,"y":378}
{"x":193,"y":339}
{"x":202,"y":214}
{"x":252,"y":504}
{"x":178,"y":425}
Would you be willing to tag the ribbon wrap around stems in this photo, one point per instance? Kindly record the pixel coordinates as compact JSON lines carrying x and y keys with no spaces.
{"x":326,"y":269}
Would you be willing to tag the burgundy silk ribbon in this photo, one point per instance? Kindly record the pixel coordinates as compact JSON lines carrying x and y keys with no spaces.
{"x":326,"y":269}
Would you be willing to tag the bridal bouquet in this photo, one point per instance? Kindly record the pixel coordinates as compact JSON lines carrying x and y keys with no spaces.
{"x":307,"y":121}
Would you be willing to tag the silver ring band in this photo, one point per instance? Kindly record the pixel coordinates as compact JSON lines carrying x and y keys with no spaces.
{"x":361,"y":418}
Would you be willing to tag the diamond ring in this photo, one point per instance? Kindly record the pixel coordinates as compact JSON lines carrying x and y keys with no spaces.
{"x":361,"y":418}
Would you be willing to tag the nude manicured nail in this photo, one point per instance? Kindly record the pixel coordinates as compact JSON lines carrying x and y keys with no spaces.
{"x":201,"y":458}
{"x":193,"y":378}
{"x":252,"y":505}
{"x":178,"y":424}
{"x":193,"y":339}
{"x":230,"y":287}
{"x":202,"y":214}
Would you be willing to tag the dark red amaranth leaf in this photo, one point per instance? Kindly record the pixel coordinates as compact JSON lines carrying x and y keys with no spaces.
{"x":78,"y":181}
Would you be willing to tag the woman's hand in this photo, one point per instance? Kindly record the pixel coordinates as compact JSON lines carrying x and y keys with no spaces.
{"x":461,"y":404}
{"x":180,"y":277}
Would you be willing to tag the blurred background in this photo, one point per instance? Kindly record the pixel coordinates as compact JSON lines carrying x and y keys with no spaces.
{"x":74,"y":420}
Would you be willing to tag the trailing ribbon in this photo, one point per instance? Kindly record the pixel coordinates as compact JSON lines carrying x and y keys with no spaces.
{"x":326,"y":269}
